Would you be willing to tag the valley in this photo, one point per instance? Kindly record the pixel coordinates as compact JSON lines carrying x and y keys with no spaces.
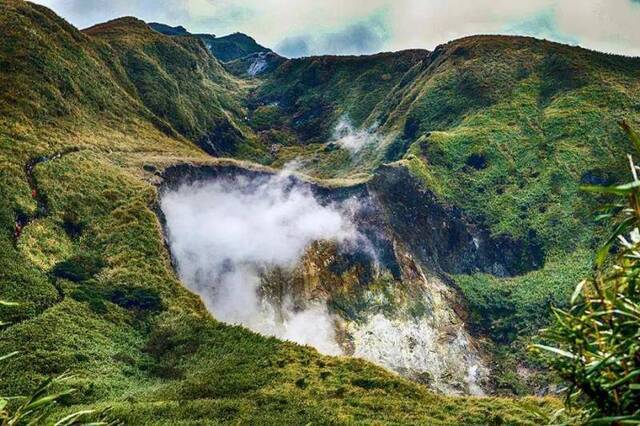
{"x":220,"y":234}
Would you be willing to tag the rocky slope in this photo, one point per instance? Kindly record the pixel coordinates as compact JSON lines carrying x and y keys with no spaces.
{"x":386,"y":306}
{"x":504,"y":129}
{"x":180,"y":83}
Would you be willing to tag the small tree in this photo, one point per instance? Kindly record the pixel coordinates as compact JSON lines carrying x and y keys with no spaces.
{"x":595,"y":344}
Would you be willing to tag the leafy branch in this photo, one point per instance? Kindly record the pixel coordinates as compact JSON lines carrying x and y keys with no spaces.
{"x":595,"y":344}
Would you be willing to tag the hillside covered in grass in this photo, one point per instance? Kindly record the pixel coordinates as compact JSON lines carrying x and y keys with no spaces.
{"x":82,"y":251}
{"x":500,"y":130}
{"x":225,"y":49}
{"x":504,"y":128}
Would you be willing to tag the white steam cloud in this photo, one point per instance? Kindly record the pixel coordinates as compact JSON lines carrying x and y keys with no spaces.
{"x":224,"y":232}
{"x":352,"y":139}
{"x":231,"y":238}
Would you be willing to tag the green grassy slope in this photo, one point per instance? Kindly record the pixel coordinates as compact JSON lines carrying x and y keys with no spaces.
{"x":508,"y":127}
{"x":232,"y":46}
{"x":313,"y":93}
{"x":81,"y":250}
{"x":179,"y":81}
{"x":505,"y":128}
{"x":298,"y":105}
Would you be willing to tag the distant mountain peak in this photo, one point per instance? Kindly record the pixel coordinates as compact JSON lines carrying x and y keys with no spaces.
{"x":227,"y":48}
{"x":169,"y":30}
{"x":125,"y":23}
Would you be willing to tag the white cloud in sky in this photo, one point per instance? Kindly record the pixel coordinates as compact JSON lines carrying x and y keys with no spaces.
{"x":609,"y":25}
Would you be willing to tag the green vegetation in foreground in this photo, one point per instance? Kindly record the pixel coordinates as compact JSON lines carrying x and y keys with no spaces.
{"x":595,"y":344}
{"x":111,"y":310}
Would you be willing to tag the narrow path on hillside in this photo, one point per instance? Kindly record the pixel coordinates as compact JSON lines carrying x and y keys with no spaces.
{"x":42,"y":209}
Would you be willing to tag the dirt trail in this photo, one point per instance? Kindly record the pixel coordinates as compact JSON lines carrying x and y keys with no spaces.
{"x":40,"y":197}
{"x":42,"y":210}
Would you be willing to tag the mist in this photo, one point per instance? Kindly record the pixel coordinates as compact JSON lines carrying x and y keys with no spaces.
{"x":224,"y":232}
{"x":352,"y":139}
{"x":237,"y":240}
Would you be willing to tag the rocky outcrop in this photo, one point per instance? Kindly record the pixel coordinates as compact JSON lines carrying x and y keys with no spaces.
{"x":255,"y":64}
{"x":442,"y":237}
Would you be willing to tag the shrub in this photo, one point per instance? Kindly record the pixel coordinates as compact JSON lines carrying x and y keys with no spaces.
{"x":144,"y":299}
{"x":595,"y":344}
{"x":79,"y":268}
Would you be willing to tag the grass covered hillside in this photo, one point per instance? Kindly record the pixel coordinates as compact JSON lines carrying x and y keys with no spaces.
{"x":504,"y":128}
{"x":233,"y":46}
{"x":180,"y":82}
{"x":507,"y":129}
{"x":87,"y":120}
{"x":307,"y":96}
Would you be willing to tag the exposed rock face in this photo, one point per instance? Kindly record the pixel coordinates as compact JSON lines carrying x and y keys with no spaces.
{"x":387,"y":294}
{"x":442,"y":237}
{"x":410,"y":324}
{"x":255,"y":64}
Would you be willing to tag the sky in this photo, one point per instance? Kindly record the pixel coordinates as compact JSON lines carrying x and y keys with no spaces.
{"x":312,"y":27}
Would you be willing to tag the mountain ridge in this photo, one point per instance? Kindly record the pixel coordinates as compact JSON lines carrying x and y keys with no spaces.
{"x":226,"y":48}
{"x":132,"y":102}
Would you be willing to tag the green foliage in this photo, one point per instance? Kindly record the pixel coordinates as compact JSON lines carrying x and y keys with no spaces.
{"x":266,"y":117}
{"x":34,"y":408}
{"x":142,"y":299}
{"x":543,"y":124}
{"x":79,"y":268}
{"x":507,"y":309}
{"x":20,"y":281}
{"x":111,"y":310}
{"x":179,"y":81}
{"x":313,"y":93}
{"x":595,"y":343}
{"x":44,"y":244}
